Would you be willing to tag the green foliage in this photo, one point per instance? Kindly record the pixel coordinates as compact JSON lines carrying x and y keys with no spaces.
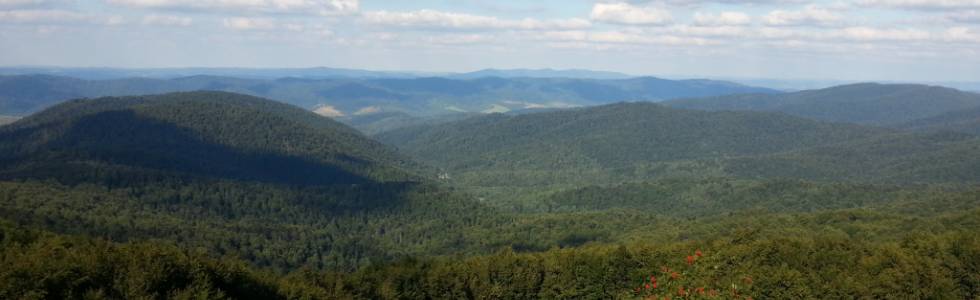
{"x":607,"y":143}
{"x":899,"y":158}
{"x":274,"y":226}
{"x":708,"y":197}
{"x":38,"y":265}
{"x":757,"y":258}
{"x":965,"y":121}
{"x":864,"y":103}
{"x":501,"y":156}
{"x":748,"y":261}
{"x":215,"y":195}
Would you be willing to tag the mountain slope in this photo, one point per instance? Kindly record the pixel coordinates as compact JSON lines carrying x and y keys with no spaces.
{"x":211,"y":134}
{"x":966,"y":121}
{"x":717,"y":196}
{"x":631,"y":138}
{"x":899,"y":157}
{"x":230,"y":174}
{"x":866,"y":103}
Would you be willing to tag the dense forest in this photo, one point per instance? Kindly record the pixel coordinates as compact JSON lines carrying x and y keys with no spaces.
{"x":966,"y":121}
{"x":640,"y":141}
{"x":863,"y":103}
{"x":844,"y":254}
{"x":221,"y":195}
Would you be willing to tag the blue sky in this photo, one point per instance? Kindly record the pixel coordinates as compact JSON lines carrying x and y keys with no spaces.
{"x":904,"y":40}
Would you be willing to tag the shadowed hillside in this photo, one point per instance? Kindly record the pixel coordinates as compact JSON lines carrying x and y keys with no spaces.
{"x":209,"y":134}
{"x":226,"y":173}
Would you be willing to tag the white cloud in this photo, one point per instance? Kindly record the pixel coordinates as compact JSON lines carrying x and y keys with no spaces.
{"x":710,"y":31}
{"x":328,"y":111}
{"x":459,"y":39}
{"x":727,"y":18}
{"x":781,"y":33}
{"x":275,"y":30}
{"x":367,"y":110}
{"x":251,"y":23}
{"x":865,"y":34}
{"x":23,"y":3}
{"x":971,"y":16}
{"x":447,"y":20}
{"x":321,"y":7}
{"x":750,"y":2}
{"x":628,"y":14}
{"x":41,"y":16}
{"x":961,"y":34}
{"x":53,"y":16}
{"x":167,"y":20}
{"x":622,"y":37}
{"x":809,"y":16}
{"x":922,"y":4}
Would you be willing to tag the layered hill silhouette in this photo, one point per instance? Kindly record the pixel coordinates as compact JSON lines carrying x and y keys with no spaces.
{"x":192,"y":135}
{"x":25,"y":94}
{"x":865,"y":103}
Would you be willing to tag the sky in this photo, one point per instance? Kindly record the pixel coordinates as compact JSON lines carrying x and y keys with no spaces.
{"x":895,"y":40}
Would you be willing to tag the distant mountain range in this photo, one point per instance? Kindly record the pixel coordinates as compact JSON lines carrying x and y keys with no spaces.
{"x":24,"y":94}
{"x":307,"y":73}
{"x":167,"y":73}
{"x":542,"y":73}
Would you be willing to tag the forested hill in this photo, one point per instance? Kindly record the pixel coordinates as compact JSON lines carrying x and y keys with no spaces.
{"x":624,"y":136}
{"x":225,"y":173}
{"x":24,"y":94}
{"x":865,"y":103}
{"x":915,"y":157}
{"x":966,"y":121}
{"x":193,"y":134}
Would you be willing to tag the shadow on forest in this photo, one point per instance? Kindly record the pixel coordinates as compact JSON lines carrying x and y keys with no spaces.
{"x":122,"y":148}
